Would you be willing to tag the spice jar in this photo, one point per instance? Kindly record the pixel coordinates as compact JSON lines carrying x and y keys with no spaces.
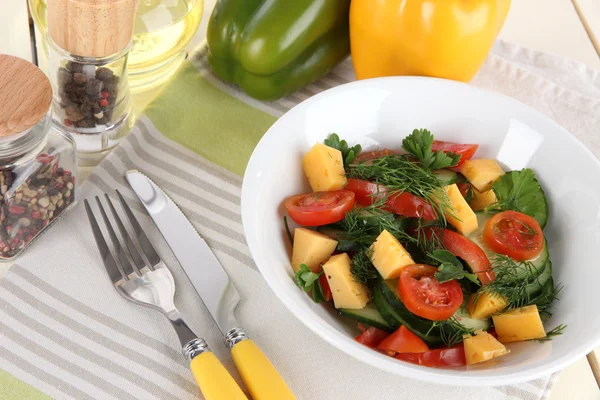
{"x":38,"y":163}
{"x":91,"y":100}
{"x":88,"y":47}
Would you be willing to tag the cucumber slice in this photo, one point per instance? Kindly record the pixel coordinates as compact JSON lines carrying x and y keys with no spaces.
{"x":390,"y":306}
{"x":385,"y":309}
{"x":545,"y":293}
{"x":464,"y":318}
{"x":334,"y":233}
{"x":540,"y":281}
{"x":447,"y":176}
{"x":368,"y":315}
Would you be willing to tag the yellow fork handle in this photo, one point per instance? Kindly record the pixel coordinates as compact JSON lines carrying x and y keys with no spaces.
{"x":260,"y":376}
{"x":213,"y":379}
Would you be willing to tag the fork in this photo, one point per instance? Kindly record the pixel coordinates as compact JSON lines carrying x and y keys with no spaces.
{"x":139,"y":275}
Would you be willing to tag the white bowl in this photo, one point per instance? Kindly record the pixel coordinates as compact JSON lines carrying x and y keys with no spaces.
{"x":381,"y":112}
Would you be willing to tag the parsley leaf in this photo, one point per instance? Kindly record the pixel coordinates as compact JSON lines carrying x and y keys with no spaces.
{"x":520,"y":191}
{"x":419,"y":144}
{"x":348,"y":153}
{"x":450,"y":267}
{"x":309,"y":282}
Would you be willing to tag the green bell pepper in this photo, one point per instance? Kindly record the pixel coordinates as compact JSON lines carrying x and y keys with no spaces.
{"x":271,"y":48}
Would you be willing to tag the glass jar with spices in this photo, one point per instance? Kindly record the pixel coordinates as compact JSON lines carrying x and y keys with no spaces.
{"x":88,"y":46}
{"x":38,"y":163}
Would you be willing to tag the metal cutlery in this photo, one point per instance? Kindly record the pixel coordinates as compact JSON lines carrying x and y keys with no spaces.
{"x":139,"y":275}
{"x":214,"y":287}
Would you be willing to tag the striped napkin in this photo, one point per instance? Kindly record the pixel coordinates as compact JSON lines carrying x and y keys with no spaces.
{"x":65,"y":333}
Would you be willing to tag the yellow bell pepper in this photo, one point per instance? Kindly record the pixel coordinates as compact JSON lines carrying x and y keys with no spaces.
{"x":441,"y":38}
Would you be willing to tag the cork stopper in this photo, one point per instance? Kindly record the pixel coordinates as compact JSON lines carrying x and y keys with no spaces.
{"x":25,"y":95}
{"x":91,"y":28}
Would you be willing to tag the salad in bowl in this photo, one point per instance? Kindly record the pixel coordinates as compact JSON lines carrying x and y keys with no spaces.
{"x":438,"y":255}
{"x":509,"y":163}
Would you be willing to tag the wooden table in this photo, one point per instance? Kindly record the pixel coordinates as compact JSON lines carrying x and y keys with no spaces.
{"x":570,"y":28}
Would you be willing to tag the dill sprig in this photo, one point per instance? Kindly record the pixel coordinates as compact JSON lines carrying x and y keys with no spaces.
{"x":513,"y":279}
{"x":552,"y":334}
{"x":545,"y":300}
{"x":362,"y":269}
{"x":363,"y":235}
{"x":399,"y":173}
{"x":430,"y":236}
{"x":451,"y":331}
{"x":355,"y":229}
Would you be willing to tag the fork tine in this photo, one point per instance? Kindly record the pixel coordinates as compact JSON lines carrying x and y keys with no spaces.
{"x":125,"y":264}
{"x":147,"y":249}
{"x":109,"y":261}
{"x":130,"y":246}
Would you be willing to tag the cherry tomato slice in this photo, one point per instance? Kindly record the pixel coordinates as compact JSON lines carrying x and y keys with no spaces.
{"x":450,"y":357}
{"x":424,"y":296}
{"x":514,"y":234}
{"x":466,"y":151}
{"x":404,"y":203}
{"x":325,"y":286}
{"x":320,"y":208}
{"x":403,"y":341}
{"x":411,"y":206}
{"x":469,"y":251}
{"x":372,"y":337}
{"x":373,"y":155}
{"x":365,"y":192}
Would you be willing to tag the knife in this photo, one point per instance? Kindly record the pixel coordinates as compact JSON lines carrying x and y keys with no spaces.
{"x":214,"y":287}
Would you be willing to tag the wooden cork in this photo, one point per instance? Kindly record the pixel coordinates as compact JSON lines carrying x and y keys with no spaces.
{"x":25,"y":95}
{"x":91,"y":28}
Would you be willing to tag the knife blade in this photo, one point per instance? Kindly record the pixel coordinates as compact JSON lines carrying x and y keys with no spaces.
{"x":214,"y":287}
{"x":197,"y":259}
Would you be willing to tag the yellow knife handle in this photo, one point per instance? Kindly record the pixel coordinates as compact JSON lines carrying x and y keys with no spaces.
{"x":214,"y":380}
{"x":260,"y":376}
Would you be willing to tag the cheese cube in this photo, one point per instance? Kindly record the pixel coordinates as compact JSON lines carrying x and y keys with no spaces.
{"x":389,"y":256}
{"x":482,"y":347}
{"x":324,"y":168}
{"x":519,"y":324}
{"x":460,"y":216}
{"x":311,"y":248}
{"x":487,"y":304}
{"x":482,"y":173}
{"x":346,"y":292}
{"x":482,"y":200}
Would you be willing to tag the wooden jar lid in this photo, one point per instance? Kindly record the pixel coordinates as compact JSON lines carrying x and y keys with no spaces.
{"x":25,"y":95}
{"x":91,"y":28}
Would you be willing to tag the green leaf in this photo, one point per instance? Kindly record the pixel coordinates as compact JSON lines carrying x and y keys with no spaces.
{"x":349,"y":154}
{"x":520,"y":191}
{"x":309,"y":282}
{"x":450,"y":267}
{"x":419,"y":144}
